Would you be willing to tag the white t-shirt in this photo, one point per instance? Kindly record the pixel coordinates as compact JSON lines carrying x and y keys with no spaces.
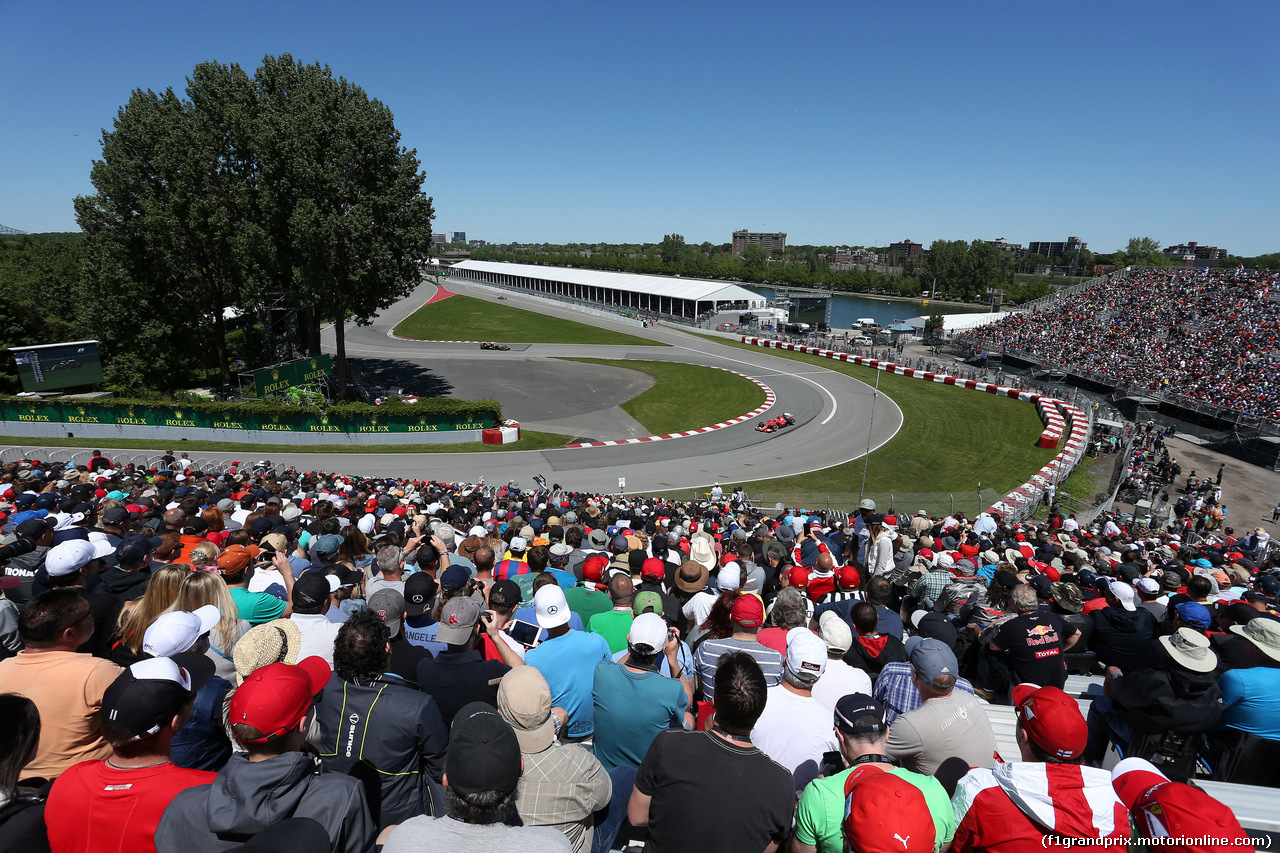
{"x":318,"y":635}
{"x":794,"y":729}
{"x":839,"y":680}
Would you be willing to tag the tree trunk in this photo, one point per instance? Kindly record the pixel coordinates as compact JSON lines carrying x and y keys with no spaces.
{"x":340,"y":365}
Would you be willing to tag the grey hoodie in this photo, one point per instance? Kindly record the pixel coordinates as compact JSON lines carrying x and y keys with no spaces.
{"x":247,"y":797}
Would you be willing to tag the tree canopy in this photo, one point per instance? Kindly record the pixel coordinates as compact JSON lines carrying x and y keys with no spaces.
{"x":289,"y":181}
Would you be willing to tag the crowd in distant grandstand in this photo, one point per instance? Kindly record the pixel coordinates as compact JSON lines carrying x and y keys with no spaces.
{"x":1205,"y":336}
{"x":305,"y":661}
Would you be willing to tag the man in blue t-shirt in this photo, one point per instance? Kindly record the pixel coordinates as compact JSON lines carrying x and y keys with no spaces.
{"x":633,"y":702}
{"x":1252,"y":695}
{"x":567,"y":659}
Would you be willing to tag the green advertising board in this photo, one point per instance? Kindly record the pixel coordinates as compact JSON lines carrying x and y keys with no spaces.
{"x":72,"y":412}
{"x":273,"y":380}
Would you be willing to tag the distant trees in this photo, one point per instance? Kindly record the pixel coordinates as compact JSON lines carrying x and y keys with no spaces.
{"x":964,"y":270}
{"x":292,"y":180}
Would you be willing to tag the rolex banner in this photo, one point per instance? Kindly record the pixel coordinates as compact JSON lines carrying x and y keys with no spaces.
{"x":273,"y":380}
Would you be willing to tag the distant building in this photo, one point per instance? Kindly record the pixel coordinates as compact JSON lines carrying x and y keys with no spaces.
{"x":1057,"y":250}
{"x":1005,"y":246}
{"x":476,"y":243}
{"x":459,"y":237}
{"x":438,"y":239}
{"x":1189,"y":253}
{"x":905,"y":251}
{"x":771,"y":243}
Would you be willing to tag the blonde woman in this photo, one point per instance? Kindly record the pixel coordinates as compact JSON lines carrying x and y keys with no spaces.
{"x":204,"y":557}
{"x":201,"y":588}
{"x":136,"y":616}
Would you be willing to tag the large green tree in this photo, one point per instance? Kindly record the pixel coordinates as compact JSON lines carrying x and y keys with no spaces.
{"x":290,"y":180}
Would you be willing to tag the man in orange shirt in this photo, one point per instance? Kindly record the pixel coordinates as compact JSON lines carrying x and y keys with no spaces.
{"x":65,"y":686}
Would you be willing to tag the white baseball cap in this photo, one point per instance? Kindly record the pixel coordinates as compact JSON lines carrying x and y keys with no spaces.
{"x":178,"y":630}
{"x":1124,"y":594}
{"x":68,"y":557}
{"x":647,"y":629}
{"x":518,"y":544}
{"x":367,"y":523}
{"x":806,"y":654}
{"x":550,"y":608}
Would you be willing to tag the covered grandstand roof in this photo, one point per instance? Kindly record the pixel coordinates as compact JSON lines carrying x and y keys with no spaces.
{"x":693,"y":289}
{"x":960,"y":322}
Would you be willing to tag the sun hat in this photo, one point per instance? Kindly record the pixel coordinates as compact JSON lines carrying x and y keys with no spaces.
{"x":524,"y":701}
{"x":691,"y":576}
{"x":1191,"y":649}
{"x":277,"y":641}
{"x":1263,"y":633}
{"x":700,"y":551}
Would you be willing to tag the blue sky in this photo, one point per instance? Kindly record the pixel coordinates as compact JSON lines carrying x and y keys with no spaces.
{"x":839,"y":123}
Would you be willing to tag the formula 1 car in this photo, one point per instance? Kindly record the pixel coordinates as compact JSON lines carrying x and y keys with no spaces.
{"x":786,"y":419}
{"x":490,"y":345}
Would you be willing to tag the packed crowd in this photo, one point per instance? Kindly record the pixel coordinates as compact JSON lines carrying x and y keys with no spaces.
{"x":1205,"y":336}
{"x":292,"y":661}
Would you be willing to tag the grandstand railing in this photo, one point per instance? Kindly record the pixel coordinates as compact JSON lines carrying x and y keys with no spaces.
{"x":1063,"y":293}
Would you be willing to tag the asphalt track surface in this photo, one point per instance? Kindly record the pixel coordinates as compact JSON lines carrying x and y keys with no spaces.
{"x":833,"y":412}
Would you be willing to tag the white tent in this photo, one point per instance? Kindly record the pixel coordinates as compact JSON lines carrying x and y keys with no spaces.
{"x":960,"y":322}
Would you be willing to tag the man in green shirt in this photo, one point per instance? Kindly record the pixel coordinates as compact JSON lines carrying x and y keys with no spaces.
{"x":614,"y":624}
{"x":862,"y":731}
{"x":585,"y":599}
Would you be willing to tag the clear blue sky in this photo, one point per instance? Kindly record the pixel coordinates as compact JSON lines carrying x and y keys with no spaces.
{"x":839,"y":123}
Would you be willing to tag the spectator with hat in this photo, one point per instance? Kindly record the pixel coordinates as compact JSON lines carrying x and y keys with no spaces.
{"x":1048,"y":793}
{"x":715,"y":790}
{"x":567,"y":659}
{"x":632,"y":701}
{"x":256,"y":608}
{"x":746,"y":615}
{"x":839,"y":679}
{"x":37,"y":530}
{"x":310,"y":604}
{"x":794,"y":729}
{"x":1252,"y":696}
{"x":1174,"y":690}
{"x":376,"y":728}
{"x":116,"y":803}
{"x":504,"y":597}
{"x":273,"y":779}
{"x":861,"y":730}
{"x":886,"y":813}
{"x":563,"y":785}
{"x":1166,"y":811}
{"x":1121,"y":630}
{"x":405,"y":656}
{"x":950,"y":724}
{"x":419,"y":597}
{"x":66,"y":686}
{"x":460,"y":675}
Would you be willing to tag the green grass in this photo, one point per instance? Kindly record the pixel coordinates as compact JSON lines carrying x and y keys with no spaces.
{"x":529,"y":440}
{"x":465,"y":318}
{"x":686,"y":396}
{"x":951,"y":440}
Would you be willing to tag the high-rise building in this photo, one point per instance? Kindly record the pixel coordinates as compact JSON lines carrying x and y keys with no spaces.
{"x":459,"y":237}
{"x":1195,"y":252}
{"x":1051,"y":249}
{"x":773,"y":243}
{"x":438,"y":239}
{"x":905,"y":251}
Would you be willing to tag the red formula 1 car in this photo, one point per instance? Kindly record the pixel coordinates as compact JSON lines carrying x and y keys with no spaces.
{"x":786,"y":419}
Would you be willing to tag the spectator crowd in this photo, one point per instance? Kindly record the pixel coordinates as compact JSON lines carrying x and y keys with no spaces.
{"x":293,"y":661}
{"x":1204,"y":337}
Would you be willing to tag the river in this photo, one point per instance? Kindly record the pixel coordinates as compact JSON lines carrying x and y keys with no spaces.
{"x":847,"y":307}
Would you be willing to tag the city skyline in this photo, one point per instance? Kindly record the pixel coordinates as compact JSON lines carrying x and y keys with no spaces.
{"x":842,"y":126}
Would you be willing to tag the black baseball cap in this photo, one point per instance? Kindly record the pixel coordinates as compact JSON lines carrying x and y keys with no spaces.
{"x":484,"y":754}
{"x":34,"y":528}
{"x":116,"y":515}
{"x":311,"y":590}
{"x":856,"y":705}
{"x":504,"y":594}
{"x":419,"y":590}
{"x":148,"y":694}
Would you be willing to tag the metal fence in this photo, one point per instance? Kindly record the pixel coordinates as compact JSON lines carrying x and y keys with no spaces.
{"x":903,"y":504}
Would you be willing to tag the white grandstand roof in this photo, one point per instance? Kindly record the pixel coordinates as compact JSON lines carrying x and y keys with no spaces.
{"x":960,"y":322}
{"x":693,"y":289}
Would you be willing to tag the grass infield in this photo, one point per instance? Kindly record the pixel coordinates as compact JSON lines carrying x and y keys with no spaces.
{"x":951,"y":440}
{"x":686,"y":396}
{"x":529,"y":440}
{"x":466,"y":318}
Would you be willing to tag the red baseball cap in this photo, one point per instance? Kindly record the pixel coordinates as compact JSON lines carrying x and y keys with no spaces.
{"x":653,"y":568}
{"x":1052,"y":720}
{"x":848,"y":577}
{"x":1164,"y":809}
{"x":884,"y":813}
{"x":593,"y":568}
{"x":274,"y":698}
{"x":748,"y":610}
{"x":798,"y":576}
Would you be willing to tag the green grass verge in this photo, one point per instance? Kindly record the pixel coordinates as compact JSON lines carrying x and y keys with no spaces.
{"x":466,"y":318}
{"x":529,"y":440}
{"x":951,"y":440}
{"x":685,"y":396}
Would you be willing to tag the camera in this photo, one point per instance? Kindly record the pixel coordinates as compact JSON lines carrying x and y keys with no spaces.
{"x":17,"y":548}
